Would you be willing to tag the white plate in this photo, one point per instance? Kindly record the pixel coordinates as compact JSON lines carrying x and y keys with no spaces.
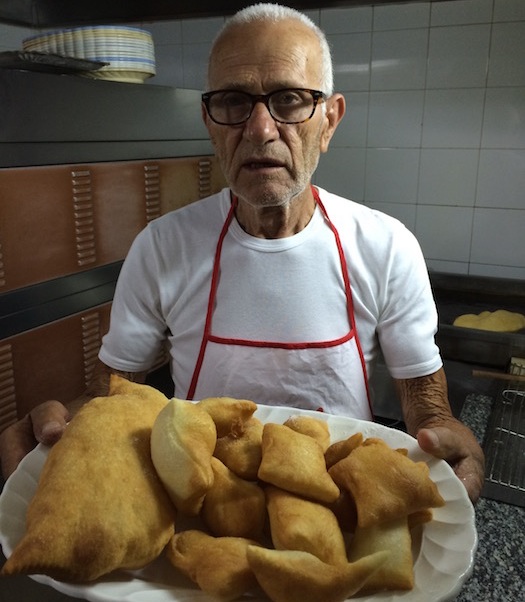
{"x":443,"y":560}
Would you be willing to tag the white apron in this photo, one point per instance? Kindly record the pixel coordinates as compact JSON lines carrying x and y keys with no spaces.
{"x":318,"y":375}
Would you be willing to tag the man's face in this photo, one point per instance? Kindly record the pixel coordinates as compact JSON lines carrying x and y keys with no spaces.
{"x":267,"y":163}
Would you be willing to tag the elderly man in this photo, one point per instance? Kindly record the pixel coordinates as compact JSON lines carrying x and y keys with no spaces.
{"x":274,"y":290}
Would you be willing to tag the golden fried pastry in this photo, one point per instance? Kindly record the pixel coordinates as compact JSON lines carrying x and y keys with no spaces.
{"x":345,"y":511}
{"x":295,"y":462}
{"x":292,"y":576}
{"x":314,"y":427}
{"x":500,"y":320}
{"x":385,"y":484}
{"x":182,"y":442}
{"x":241,"y":450}
{"x":228,"y":413}
{"x":416,"y":519}
{"x":397,"y":572}
{"x":233,"y":507}
{"x":99,"y":504}
{"x":304,"y":525}
{"x":340,"y":449}
{"x":218,"y":565}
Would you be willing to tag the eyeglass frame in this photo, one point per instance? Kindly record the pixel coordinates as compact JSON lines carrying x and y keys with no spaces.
{"x":317,"y":95}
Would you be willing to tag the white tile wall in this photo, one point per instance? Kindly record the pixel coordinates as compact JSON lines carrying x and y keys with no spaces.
{"x":435,"y":127}
{"x":11,"y":36}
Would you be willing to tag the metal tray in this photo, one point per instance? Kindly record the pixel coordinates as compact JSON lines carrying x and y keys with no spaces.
{"x":505,"y":444}
{"x":47,"y":63}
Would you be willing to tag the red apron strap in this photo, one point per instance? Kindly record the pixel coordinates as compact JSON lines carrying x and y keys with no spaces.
{"x":211,"y":298}
{"x":348,"y":291}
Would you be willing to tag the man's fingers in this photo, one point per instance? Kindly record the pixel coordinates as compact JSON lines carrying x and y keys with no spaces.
{"x":49,"y":420}
{"x":448,"y":445}
{"x":442,"y":443}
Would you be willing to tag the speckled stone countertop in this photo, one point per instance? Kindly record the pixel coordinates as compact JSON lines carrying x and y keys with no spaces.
{"x":499,"y":567}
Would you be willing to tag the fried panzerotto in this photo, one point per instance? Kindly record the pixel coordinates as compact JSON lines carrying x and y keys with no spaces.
{"x":99,"y":505}
{"x":229,"y":414}
{"x":314,"y":427}
{"x":232,"y":506}
{"x":385,"y":484}
{"x":182,"y":442}
{"x":340,"y":449}
{"x":304,"y":525}
{"x":241,"y":450}
{"x":295,"y":462}
{"x":397,"y":573}
{"x":292,"y":576}
{"x":218,"y":565}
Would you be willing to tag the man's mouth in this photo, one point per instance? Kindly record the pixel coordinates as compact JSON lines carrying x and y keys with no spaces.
{"x":260,"y":164}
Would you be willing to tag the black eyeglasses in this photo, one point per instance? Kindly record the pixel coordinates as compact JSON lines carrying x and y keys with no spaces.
{"x":291,"y":105}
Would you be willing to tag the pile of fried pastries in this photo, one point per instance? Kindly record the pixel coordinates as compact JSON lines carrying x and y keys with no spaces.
{"x":279,"y":508}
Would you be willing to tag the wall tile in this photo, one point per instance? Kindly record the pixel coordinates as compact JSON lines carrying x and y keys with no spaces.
{"x":458,"y":56}
{"x":399,"y":60}
{"x":391,"y":175}
{"x":394,"y":119}
{"x":195,"y":65}
{"x":501,"y":179}
{"x":404,"y":16}
{"x":352,"y":129}
{"x":314,"y":15}
{"x":444,"y":232}
{"x":497,"y":237}
{"x":195,"y":31}
{"x":404,"y":212}
{"x":453,"y":118}
{"x":11,"y":36}
{"x":165,"y":32}
{"x":509,"y":10}
{"x":497,"y":271}
{"x":457,"y":12}
{"x":342,"y":171}
{"x":346,"y":20}
{"x":448,"y":177}
{"x":504,"y":122}
{"x":507,"y":55}
{"x":168,"y":62}
{"x":351,"y":57}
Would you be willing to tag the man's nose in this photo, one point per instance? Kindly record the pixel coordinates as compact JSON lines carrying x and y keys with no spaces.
{"x":261,"y":126}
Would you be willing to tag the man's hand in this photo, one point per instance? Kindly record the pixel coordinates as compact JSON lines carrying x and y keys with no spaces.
{"x":44,"y":424}
{"x":428,"y":417}
{"x":459,"y":451}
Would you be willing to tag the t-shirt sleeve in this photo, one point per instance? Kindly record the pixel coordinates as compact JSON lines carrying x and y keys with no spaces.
{"x":137,"y":328}
{"x":408,"y":320}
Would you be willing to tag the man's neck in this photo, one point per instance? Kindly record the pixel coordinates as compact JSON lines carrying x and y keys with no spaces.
{"x":276,"y":221}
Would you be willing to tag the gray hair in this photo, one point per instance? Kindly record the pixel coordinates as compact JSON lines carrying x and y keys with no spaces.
{"x":276,"y":12}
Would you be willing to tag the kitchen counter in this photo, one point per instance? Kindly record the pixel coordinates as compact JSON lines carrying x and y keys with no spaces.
{"x":499,"y":570}
{"x":499,"y":566}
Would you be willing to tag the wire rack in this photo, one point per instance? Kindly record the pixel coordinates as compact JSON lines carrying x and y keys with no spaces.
{"x":505,"y":441}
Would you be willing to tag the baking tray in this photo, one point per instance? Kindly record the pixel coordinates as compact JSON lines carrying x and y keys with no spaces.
{"x":505,"y":443}
{"x":47,"y":63}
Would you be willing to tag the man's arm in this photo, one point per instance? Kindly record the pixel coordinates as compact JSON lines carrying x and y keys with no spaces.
{"x":427,"y":414}
{"x":47,"y":421}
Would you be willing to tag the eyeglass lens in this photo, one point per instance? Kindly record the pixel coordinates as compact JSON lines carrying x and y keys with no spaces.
{"x":289,"y":106}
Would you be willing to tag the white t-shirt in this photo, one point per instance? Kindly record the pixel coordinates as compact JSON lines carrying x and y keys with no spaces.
{"x":286,"y":290}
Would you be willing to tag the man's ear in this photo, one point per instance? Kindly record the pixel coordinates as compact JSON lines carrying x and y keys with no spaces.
{"x":335,"y":109}
{"x":204,"y":114}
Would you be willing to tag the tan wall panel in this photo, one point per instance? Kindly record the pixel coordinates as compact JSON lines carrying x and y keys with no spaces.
{"x":50,"y":362}
{"x":59,"y":220}
{"x":36,"y":225}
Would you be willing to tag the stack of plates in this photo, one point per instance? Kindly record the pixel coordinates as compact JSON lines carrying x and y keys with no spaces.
{"x":128,"y":51}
